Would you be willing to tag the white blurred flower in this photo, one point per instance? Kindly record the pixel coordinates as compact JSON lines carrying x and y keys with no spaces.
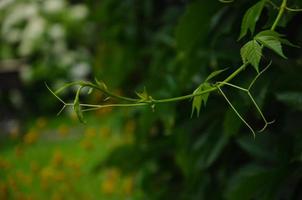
{"x":79,"y":71}
{"x":14,"y":35}
{"x":29,"y":10}
{"x":68,"y":58}
{"x":78,"y":12}
{"x":26,"y":73}
{"x":5,"y":3}
{"x":20,"y":13}
{"x":53,"y":6}
{"x":32,"y":33}
{"x":59,"y":48}
{"x":56,"y":32}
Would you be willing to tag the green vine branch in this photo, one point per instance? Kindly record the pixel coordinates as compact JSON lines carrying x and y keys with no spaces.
{"x":251,"y":54}
{"x":280,"y":13}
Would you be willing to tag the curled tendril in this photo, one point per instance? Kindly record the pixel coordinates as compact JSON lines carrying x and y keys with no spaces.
{"x":247,"y":91}
{"x":294,"y":9}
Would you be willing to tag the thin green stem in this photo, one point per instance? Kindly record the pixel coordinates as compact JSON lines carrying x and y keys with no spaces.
{"x":67,"y":86}
{"x":189,"y":96}
{"x":235,"y":86}
{"x":229,"y":78}
{"x":234,"y":74}
{"x":91,"y":85}
{"x":280,"y":13}
{"x":259,"y":110}
{"x":251,"y":97}
{"x":53,"y":93}
{"x":258,"y":75}
{"x":109,"y":93}
{"x":64,"y":106}
{"x":237,"y":113}
{"x":96,"y":107}
{"x":294,"y":9}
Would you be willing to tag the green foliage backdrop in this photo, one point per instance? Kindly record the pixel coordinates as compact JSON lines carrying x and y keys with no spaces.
{"x":150,"y":50}
{"x":170,"y":47}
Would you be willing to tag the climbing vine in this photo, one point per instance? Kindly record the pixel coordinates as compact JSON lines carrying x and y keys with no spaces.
{"x":251,"y":55}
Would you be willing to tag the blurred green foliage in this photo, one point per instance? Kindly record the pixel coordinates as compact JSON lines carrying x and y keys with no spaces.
{"x":174,"y":45}
{"x":170,"y":47}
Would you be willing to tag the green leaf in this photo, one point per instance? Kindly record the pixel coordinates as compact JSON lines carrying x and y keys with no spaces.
{"x":276,"y":35}
{"x":77,"y":107}
{"x":90,"y":91}
{"x":200,"y":99}
{"x":251,"y":52}
{"x":250,"y":18}
{"x":273,"y":41}
{"x":101,"y":84}
{"x":215,"y":73}
{"x":270,"y":33}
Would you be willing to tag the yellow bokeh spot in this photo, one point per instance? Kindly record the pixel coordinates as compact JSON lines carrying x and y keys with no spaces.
{"x":23,"y":178}
{"x":103,"y":111}
{"x":31,"y":137}
{"x":104,"y":132}
{"x":130,"y":127}
{"x":4,"y":164}
{"x":57,"y":159}
{"x":19,"y":150}
{"x":90,"y":133}
{"x":87,"y":144}
{"x":34,"y":166}
{"x":128,"y":185}
{"x":3,"y":191}
{"x":108,"y":186}
{"x":41,"y":122}
{"x":63,"y":130}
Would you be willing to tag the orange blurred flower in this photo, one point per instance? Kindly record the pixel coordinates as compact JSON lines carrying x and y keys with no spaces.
{"x":57,"y":159}
{"x":3,"y":191}
{"x":4,"y":164}
{"x":108,"y":186}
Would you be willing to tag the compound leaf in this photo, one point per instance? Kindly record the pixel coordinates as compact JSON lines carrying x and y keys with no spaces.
{"x":273,"y":41}
{"x":251,"y":53}
{"x":250,"y":18}
{"x":200,"y":99}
